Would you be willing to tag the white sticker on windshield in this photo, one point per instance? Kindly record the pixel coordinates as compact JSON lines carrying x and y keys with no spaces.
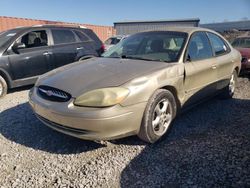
{"x":11,"y":34}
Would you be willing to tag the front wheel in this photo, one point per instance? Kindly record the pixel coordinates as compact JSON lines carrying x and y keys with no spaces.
{"x":228,"y":91}
{"x":3,"y":87}
{"x":159,"y":113}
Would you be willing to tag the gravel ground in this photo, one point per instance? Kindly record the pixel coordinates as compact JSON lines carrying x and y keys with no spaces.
{"x":208,"y":146}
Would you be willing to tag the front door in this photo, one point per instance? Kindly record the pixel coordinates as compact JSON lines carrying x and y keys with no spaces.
{"x":200,"y":69}
{"x":33,"y":58}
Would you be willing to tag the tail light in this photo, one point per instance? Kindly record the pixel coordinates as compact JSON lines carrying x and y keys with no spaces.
{"x":102,"y":48}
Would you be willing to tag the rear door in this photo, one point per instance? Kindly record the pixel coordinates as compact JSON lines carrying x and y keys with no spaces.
{"x":64,"y":47}
{"x":34,"y":59}
{"x":223,"y":59}
{"x":99,"y":47}
{"x":85,"y":46}
{"x":200,"y":69}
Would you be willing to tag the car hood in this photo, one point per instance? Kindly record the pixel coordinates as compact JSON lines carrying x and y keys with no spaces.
{"x":83,"y":76}
{"x":245,"y":52}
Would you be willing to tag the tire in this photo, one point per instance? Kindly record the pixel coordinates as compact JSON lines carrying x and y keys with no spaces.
{"x":86,"y":57}
{"x":3,"y":87}
{"x":228,"y":91}
{"x":157,"y":117}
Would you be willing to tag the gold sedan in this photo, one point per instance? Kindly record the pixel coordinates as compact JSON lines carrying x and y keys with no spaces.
{"x":138,"y":86}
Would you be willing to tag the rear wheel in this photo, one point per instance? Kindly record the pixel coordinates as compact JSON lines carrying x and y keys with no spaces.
{"x":228,"y":91}
{"x":86,"y":57}
{"x":158,"y":115}
{"x":3,"y":87}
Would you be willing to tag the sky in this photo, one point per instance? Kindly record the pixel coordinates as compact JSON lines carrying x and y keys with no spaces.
{"x":106,"y":12}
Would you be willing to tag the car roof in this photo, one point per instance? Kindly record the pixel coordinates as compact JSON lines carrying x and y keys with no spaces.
{"x":51,"y":26}
{"x":182,"y":29}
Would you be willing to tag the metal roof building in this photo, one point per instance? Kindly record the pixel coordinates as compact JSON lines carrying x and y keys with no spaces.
{"x":130,"y":27}
{"x":228,"y":26}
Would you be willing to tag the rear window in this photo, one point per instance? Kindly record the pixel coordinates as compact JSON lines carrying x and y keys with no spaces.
{"x":63,"y":36}
{"x":92,"y":35}
{"x":82,"y":36}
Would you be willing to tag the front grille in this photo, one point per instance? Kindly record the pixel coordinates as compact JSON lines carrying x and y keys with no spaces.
{"x":62,"y":127}
{"x":53,"y":94}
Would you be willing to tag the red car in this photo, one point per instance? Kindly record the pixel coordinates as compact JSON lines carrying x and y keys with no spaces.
{"x":243,"y":45}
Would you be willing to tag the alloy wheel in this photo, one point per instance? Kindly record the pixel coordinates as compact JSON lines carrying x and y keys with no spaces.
{"x":232,"y":84}
{"x":1,"y":88}
{"x":162,"y":117}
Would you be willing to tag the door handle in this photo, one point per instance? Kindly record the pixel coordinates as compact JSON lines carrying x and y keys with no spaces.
{"x":47,"y":53}
{"x":214,"y":67}
{"x":79,"y":48}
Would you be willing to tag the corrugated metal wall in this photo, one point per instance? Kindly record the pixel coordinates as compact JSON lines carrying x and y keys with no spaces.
{"x":103,"y":32}
{"x":131,"y":28}
{"x":227,"y":26}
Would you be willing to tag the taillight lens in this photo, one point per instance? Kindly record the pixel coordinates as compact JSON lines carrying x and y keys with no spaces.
{"x":102,"y":48}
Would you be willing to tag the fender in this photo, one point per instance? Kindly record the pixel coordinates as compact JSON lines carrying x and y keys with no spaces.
{"x":7,"y":77}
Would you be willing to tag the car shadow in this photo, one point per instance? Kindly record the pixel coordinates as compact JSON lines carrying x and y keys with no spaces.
{"x":22,"y":88}
{"x":245,"y":76}
{"x":207,"y":146}
{"x":20,"y":125}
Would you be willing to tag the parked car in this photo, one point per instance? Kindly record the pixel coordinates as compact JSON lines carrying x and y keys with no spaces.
{"x":243,"y":45}
{"x":27,"y":52}
{"x":112,"y":41}
{"x":137,"y":87}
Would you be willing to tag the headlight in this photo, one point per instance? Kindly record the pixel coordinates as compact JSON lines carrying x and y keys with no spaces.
{"x":102,"y":97}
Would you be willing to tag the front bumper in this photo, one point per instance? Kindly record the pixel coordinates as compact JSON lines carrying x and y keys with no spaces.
{"x":88,"y":123}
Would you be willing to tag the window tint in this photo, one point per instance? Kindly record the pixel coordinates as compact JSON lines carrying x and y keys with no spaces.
{"x":92,"y":35}
{"x":199,"y":47}
{"x":236,"y":42}
{"x":242,"y":42}
{"x":218,"y":44}
{"x":63,"y":36}
{"x":82,"y":36}
{"x":35,"y":39}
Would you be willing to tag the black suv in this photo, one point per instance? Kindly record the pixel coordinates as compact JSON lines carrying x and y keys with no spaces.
{"x":27,"y":52}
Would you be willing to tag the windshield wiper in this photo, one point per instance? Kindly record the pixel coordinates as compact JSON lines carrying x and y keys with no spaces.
{"x":141,"y":58}
{"x":138,"y":58}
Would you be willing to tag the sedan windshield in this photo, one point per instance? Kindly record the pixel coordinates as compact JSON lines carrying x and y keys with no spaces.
{"x":152,"y":46}
{"x":241,"y":42}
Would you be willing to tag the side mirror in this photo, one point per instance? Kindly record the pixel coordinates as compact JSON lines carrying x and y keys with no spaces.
{"x":18,"y":46}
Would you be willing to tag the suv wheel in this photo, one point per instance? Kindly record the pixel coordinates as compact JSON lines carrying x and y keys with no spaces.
{"x":228,"y":91}
{"x":3,"y":87}
{"x":158,"y":115}
{"x":86,"y":57}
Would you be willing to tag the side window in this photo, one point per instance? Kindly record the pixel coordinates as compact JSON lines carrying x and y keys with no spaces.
{"x":199,"y":47}
{"x":218,"y":44}
{"x":63,"y":36}
{"x":236,"y":42}
{"x":82,"y":36}
{"x":35,"y":39}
